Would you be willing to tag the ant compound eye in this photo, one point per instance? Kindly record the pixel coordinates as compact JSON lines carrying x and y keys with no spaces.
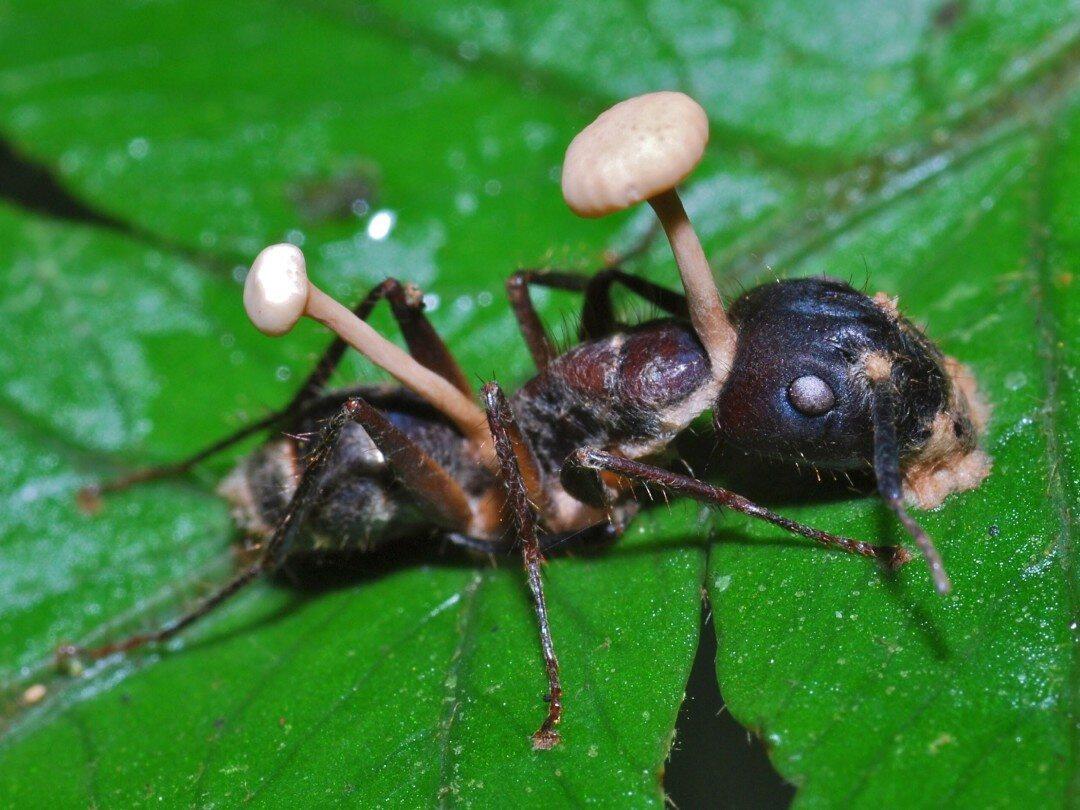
{"x":811,"y":395}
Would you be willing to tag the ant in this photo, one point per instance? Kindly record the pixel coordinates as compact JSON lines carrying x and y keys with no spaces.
{"x":801,"y":370}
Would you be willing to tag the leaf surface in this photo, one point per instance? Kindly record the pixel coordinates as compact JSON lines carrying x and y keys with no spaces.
{"x":930,"y":151}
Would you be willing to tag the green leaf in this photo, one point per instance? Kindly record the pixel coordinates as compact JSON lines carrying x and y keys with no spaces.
{"x":934,"y":151}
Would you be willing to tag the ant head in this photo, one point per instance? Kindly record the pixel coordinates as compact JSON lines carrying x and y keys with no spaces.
{"x":827,"y":376}
{"x":800,"y":384}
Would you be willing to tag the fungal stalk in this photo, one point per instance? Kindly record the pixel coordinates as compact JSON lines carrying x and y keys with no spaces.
{"x":640,"y":150}
{"x":278,"y":292}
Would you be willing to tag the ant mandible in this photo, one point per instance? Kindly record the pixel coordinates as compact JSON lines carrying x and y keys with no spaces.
{"x":806,"y":370}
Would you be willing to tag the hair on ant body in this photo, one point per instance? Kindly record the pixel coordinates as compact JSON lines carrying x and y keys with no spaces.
{"x":809,"y":370}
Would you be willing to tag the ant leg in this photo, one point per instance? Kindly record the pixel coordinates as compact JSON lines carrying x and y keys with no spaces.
{"x":296,"y":514}
{"x":588,"y":462}
{"x":67,"y":652}
{"x":532,"y":329}
{"x":89,"y":497}
{"x":503,"y":428}
{"x":597,"y":316}
{"x":423,"y":342}
{"x":517,"y":289}
{"x":421,"y":475}
{"x":328,"y":363}
{"x":407,"y":304}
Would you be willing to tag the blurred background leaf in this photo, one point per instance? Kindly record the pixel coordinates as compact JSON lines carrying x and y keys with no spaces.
{"x":927,"y":149}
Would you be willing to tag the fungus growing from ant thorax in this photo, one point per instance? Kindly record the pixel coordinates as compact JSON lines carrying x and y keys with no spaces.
{"x":640,"y":150}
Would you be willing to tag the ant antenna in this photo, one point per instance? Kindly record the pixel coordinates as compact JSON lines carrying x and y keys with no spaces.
{"x":641,"y":149}
{"x":887,"y":465}
{"x":277,"y":293}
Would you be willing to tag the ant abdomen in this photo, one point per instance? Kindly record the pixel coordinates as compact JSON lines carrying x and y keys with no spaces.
{"x":362,"y":504}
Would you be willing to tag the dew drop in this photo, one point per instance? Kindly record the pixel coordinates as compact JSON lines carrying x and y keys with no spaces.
{"x":465,"y":203}
{"x":138,"y":148}
{"x":380,"y":225}
{"x":1016,"y":380}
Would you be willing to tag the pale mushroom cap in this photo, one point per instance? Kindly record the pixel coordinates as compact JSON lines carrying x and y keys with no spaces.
{"x":639,"y":148}
{"x":276,"y":289}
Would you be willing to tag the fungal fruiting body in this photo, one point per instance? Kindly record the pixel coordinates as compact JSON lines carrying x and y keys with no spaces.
{"x":640,"y":150}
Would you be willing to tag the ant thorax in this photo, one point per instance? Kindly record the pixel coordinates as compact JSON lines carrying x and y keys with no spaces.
{"x":631,"y":392}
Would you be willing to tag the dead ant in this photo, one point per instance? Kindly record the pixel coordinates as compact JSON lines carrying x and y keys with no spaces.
{"x":806,"y":370}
